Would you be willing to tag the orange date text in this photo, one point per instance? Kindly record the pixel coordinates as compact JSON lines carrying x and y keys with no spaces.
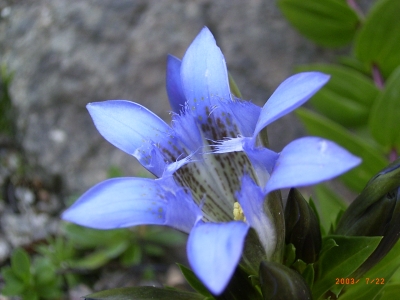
{"x":346,"y":280}
{"x":375,"y":280}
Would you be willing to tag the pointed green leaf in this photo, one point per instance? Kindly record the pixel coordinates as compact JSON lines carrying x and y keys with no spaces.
{"x":372,"y":157}
{"x":385,"y":114}
{"x":346,"y":98}
{"x":309,"y":275}
{"x":242,"y":286}
{"x":329,"y":204}
{"x":290,"y":255}
{"x":44,"y":270}
{"x":330,"y":23}
{"x":132,"y":255}
{"x":378,"y":41}
{"x":342,"y":261}
{"x":143,"y":293}
{"x":100,"y":257}
{"x":233,"y":87}
{"x":13,"y":285}
{"x":355,"y":64}
{"x":327,"y":244}
{"x":194,"y":282}
{"x":384,"y":269}
{"x":87,"y":238}
{"x":165,"y":236}
{"x":20,"y":264}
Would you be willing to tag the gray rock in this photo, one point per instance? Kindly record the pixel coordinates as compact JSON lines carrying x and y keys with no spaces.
{"x":68,"y":53}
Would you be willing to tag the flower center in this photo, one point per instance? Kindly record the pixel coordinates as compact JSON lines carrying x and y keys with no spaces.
{"x":238,"y":214}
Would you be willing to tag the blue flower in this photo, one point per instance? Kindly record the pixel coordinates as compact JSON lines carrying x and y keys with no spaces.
{"x":213,"y":175}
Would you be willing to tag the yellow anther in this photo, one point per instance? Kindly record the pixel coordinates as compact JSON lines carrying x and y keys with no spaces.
{"x":238,"y":214}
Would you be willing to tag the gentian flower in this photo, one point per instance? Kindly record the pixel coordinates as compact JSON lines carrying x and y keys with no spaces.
{"x":213,"y":176}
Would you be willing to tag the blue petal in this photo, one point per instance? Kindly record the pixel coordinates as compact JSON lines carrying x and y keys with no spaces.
{"x":241,"y":113}
{"x":124,"y":202}
{"x":204,"y":74}
{"x":174,"y":84}
{"x":289,"y":95}
{"x":214,"y":250}
{"x":187,"y":130}
{"x":137,"y":131}
{"x":251,"y":199}
{"x":310,"y":160}
{"x":263,"y":161}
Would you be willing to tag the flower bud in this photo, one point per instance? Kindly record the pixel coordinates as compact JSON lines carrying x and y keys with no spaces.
{"x":279,"y":282}
{"x":302,"y":227}
{"x":376,"y":212}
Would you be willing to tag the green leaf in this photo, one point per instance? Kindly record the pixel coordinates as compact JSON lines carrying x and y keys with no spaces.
{"x":194,"y":282}
{"x":342,"y":261}
{"x":20,"y":264}
{"x":100,"y":257}
{"x":378,"y":41}
{"x":385,"y":269}
{"x":389,"y":292}
{"x":330,"y":23}
{"x":346,"y":98}
{"x":309,"y":275}
{"x":153,"y":250}
{"x":355,"y":64}
{"x":13,"y":286}
{"x":329,"y":204}
{"x":165,"y":236}
{"x":143,"y":293}
{"x":233,"y":87}
{"x":327,"y":244}
{"x":132,"y":255}
{"x":385,"y":114}
{"x":372,"y":157}
{"x":114,"y":171}
{"x":290,"y":255}
{"x":8,"y":114}
{"x":86,"y":238}
{"x":30,"y":295}
{"x":44,"y":270}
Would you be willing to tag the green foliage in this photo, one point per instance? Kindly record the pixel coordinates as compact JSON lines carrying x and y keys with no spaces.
{"x":279,"y":282}
{"x":341,"y":260}
{"x":385,"y":113}
{"x":385,"y":270}
{"x":61,"y":259}
{"x":378,"y":41}
{"x":194,"y":282}
{"x":128,"y":245}
{"x":330,"y":23}
{"x":347,"y":97}
{"x":36,"y":280}
{"x":356,"y":109}
{"x":143,"y":293}
{"x":329,"y":205}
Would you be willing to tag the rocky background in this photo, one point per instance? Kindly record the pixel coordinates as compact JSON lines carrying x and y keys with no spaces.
{"x":66,"y":53}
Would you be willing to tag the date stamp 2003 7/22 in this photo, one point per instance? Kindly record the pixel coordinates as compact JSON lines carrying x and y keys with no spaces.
{"x":355,"y":281}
